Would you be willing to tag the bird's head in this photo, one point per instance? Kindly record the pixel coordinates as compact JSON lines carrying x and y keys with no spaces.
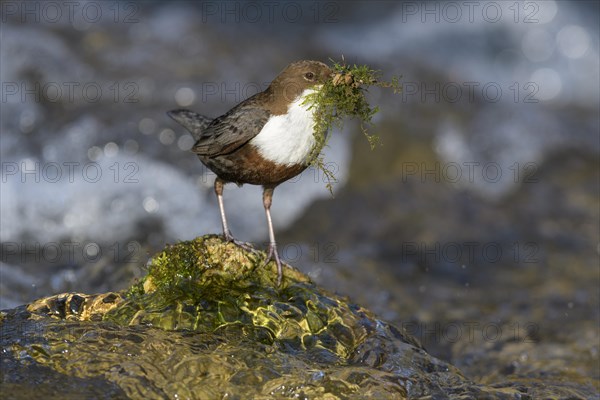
{"x":299,"y":76}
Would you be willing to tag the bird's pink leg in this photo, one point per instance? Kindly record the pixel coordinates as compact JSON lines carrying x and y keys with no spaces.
{"x":273,"y":254}
{"x":219,"y":192}
{"x":219,"y":183}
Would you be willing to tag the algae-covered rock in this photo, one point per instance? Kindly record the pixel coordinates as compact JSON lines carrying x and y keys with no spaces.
{"x":208,"y":321}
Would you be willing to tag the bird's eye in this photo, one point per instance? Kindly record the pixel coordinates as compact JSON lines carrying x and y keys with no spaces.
{"x":309,"y":76}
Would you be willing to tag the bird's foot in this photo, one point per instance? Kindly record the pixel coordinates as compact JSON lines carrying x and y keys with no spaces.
{"x":244,"y":245}
{"x":228,"y":236}
{"x":274,"y":255}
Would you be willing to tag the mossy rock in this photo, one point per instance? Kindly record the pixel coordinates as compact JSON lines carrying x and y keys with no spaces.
{"x":209,"y":321}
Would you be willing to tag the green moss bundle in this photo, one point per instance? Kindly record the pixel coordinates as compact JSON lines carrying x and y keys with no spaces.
{"x":344,"y":96}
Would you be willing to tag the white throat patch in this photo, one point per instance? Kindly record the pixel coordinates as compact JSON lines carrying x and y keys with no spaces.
{"x":288,"y":139}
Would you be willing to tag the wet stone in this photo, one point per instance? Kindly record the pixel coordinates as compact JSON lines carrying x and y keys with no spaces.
{"x":208,"y":321}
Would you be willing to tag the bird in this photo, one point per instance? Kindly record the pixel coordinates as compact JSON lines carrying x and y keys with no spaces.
{"x":265,"y":140}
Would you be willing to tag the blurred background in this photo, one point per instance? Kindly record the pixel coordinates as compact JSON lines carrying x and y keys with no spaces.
{"x":475,"y":225}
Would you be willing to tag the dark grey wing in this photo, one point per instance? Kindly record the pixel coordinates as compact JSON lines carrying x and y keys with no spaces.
{"x":192,"y":121}
{"x":230,"y":131}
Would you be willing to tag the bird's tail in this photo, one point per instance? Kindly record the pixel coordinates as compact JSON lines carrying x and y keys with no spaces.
{"x":190,"y":120}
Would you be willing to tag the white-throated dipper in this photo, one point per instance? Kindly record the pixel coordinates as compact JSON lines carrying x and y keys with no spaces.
{"x":265,"y":140}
